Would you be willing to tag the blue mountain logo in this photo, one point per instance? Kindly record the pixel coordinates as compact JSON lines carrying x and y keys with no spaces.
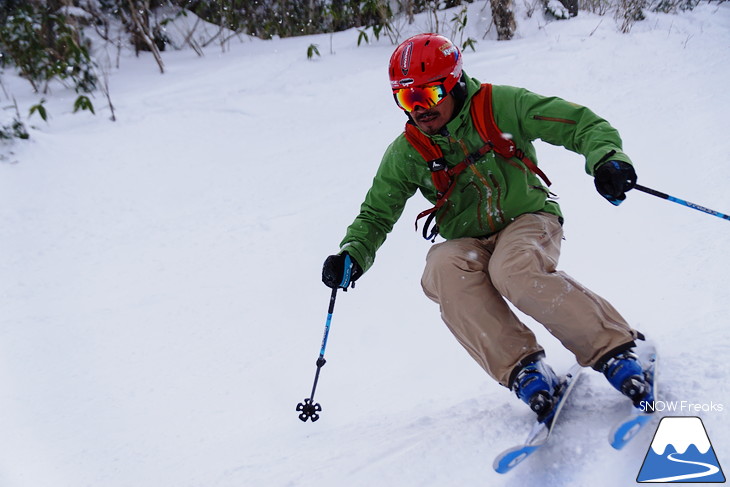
{"x":681,"y":452}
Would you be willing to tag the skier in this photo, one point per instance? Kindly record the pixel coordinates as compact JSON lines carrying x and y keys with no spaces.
{"x":501,"y":227}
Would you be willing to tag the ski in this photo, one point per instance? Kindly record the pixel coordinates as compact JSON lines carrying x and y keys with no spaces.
{"x":540,"y":432}
{"x":630,"y":425}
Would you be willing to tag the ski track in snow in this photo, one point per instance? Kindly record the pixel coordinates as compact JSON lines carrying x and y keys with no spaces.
{"x":162,"y":309}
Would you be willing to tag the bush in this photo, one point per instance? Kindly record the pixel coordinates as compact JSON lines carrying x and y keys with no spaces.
{"x":43,"y":46}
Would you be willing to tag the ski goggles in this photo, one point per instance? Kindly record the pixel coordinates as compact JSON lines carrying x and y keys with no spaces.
{"x":424,"y":96}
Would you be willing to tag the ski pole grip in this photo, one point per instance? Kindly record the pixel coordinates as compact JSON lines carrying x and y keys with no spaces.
{"x":346,"y":271}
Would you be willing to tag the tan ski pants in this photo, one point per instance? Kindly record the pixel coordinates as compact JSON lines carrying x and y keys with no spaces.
{"x":470,"y":278}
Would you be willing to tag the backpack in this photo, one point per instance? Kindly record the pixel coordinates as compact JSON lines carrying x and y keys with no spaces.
{"x":443,"y":177}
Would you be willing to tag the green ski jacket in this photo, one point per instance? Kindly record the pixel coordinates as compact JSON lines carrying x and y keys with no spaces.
{"x":492,"y":192}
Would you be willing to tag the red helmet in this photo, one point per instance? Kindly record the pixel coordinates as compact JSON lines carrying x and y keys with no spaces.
{"x":424,"y":59}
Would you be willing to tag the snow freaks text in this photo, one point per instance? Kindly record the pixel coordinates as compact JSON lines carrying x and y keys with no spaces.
{"x":683,"y":407}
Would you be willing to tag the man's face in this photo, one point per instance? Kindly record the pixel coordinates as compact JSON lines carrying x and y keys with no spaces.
{"x":432,"y":120}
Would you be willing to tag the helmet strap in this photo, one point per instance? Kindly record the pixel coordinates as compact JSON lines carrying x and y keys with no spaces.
{"x":459,"y":93}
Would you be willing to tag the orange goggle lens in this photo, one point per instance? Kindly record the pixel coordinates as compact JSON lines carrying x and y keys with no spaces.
{"x":424,"y":96}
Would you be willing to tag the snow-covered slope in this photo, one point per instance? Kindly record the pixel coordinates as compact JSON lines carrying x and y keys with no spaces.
{"x":159,"y":276}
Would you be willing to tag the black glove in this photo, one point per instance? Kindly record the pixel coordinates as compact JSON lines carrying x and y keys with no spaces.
{"x":340,"y":270}
{"x":613,"y":179}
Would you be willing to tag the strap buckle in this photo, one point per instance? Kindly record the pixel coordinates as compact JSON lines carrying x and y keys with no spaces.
{"x":436,"y":165}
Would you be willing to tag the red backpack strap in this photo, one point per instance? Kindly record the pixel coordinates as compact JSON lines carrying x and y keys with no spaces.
{"x":482,"y":115}
{"x":422,"y":143}
{"x":432,"y":154}
{"x":440,"y":175}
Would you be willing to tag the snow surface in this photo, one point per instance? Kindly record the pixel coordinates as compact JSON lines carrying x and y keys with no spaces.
{"x":161,"y":301}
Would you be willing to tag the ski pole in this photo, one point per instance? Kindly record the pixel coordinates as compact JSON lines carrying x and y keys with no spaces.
{"x":309,"y":409}
{"x":681,"y":202}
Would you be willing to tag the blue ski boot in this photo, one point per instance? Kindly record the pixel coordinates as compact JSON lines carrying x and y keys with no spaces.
{"x":536,"y":384}
{"x":625,"y":373}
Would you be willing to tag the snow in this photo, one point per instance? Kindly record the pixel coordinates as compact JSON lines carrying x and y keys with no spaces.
{"x":161,"y":301}
{"x":557,"y":9}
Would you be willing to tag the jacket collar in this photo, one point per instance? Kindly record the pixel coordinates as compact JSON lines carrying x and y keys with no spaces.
{"x":461,"y":118}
